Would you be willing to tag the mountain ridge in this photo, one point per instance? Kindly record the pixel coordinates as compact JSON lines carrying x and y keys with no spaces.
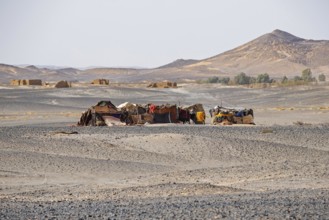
{"x":277,"y":53}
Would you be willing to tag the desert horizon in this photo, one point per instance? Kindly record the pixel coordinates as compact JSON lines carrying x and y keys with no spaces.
{"x":164,"y":109}
{"x":278,"y":54}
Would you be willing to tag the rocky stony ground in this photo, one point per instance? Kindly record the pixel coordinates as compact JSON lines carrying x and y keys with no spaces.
{"x":164,"y":172}
{"x":283,"y":204}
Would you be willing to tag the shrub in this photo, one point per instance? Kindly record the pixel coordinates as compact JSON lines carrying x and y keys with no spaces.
{"x":225,"y":80}
{"x":263,"y":78}
{"x":297,"y":78}
{"x":322,"y":77}
{"x":213,"y":79}
{"x":307,"y":75}
{"x":242,"y":79}
{"x":252,"y":80}
{"x":284,"y":79}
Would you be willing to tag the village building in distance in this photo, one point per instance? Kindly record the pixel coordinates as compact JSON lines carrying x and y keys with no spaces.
{"x":165,"y":84}
{"x":63,"y":84}
{"x":100,"y":82}
{"x":26,"y":82}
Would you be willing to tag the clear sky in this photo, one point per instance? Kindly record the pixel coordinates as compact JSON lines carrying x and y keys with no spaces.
{"x":145,"y":33}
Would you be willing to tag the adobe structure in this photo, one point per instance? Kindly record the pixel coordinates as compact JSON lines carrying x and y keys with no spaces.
{"x":165,"y":84}
{"x":63,"y":84}
{"x":100,"y":82}
{"x":26,"y":82}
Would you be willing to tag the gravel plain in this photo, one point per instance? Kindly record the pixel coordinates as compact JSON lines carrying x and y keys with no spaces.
{"x":277,"y":169}
{"x":165,"y":172}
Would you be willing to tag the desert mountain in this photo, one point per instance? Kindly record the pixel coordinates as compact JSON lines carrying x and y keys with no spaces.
{"x":277,"y":53}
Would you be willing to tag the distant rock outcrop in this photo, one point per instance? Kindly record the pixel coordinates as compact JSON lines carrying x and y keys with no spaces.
{"x":278,"y":53}
{"x":32,"y":67}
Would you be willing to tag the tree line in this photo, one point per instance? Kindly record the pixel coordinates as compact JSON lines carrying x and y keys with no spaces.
{"x":243,"y":79}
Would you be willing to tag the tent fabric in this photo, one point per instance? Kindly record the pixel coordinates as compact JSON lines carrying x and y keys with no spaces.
{"x":100,"y":115}
{"x":106,"y":113}
{"x":142,"y":119}
{"x":85,"y":118}
{"x":172,"y":109}
{"x":106,"y":103}
{"x":183,"y":115}
{"x":195,"y":108}
{"x":162,"y":118}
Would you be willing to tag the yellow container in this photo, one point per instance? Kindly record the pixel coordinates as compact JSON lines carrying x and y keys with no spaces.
{"x":200,"y":117}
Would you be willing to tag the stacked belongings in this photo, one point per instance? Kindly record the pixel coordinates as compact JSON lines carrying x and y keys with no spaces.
{"x":245,"y":116}
{"x":197,"y":113}
{"x":133,"y":114}
{"x":103,"y":113}
{"x":184,"y":115}
{"x":229,"y":116}
{"x":164,"y":113}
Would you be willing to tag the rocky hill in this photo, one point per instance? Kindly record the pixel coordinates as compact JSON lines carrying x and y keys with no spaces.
{"x":277,"y":53}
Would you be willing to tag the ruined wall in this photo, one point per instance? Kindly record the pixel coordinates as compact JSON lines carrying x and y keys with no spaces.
{"x":100,"y":82}
{"x":15,"y":82}
{"x":163,"y":85}
{"x":34,"y":82}
{"x":26,"y":82}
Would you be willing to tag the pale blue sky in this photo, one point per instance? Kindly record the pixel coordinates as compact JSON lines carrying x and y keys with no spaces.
{"x":145,"y":33}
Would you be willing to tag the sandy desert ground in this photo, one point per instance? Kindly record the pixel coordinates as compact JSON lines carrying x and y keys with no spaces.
{"x":277,"y":169}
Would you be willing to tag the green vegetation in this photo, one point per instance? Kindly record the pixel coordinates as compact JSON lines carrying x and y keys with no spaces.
{"x":307,"y":76}
{"x":265,"y":80}
{"x":242,"y":79}
{"x":225,"y":80}
{"x":297,"y":78}
{"x":213,"y":79}
{"x":322,"y":77}
{"x":284,"y":79}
